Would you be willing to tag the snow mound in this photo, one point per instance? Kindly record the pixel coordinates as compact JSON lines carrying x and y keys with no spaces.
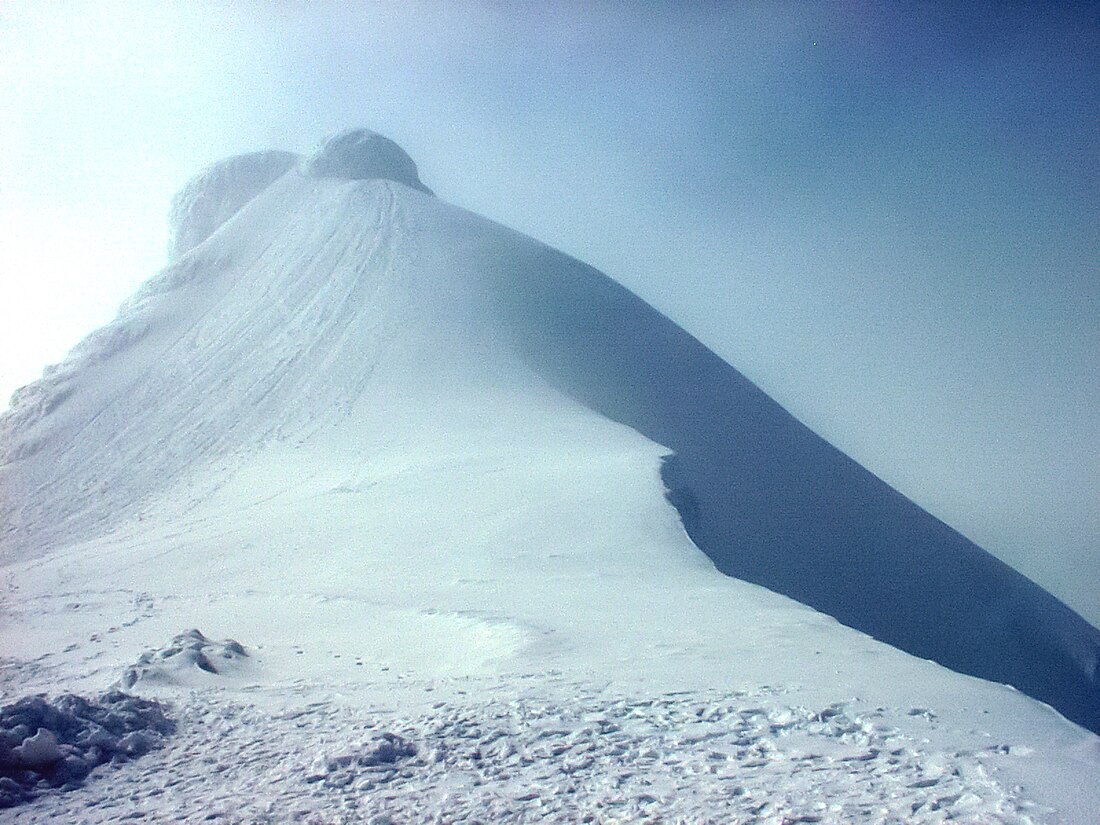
{"x":360,"y":154}
{"x":72,"y":736}
{"x":187,"y":657}
{"x":217,"y":193}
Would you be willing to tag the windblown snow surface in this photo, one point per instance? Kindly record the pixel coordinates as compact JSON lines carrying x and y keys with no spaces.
{"x":429,"y":491}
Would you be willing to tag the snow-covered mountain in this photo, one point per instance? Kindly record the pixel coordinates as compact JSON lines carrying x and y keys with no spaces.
{"x":385,"y":442}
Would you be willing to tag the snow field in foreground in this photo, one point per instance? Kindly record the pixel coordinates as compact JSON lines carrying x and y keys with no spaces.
{"x":499,"y":751}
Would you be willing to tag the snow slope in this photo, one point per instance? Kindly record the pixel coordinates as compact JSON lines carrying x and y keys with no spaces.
{"x":772,"y":503}
{"x":413,"y":462}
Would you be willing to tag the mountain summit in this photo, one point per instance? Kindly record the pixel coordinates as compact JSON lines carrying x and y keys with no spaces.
{"x":341,"y":382}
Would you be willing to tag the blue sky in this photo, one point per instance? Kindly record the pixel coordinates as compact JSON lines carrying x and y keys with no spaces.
{"x":885,"y":214}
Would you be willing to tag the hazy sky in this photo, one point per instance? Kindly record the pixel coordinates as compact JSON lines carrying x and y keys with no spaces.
{"x":887,"y":215}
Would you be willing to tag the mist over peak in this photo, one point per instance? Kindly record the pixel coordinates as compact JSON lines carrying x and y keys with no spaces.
{"x":314,"y":312}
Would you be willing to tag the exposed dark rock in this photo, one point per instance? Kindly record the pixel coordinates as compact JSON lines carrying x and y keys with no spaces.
{"x":72,"y":736}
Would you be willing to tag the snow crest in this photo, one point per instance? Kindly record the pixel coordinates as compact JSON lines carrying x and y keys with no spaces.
{"x":360,"y":154}
{"x":218,"y":192}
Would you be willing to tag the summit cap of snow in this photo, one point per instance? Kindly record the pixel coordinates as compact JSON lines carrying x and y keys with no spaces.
{"x":360,"y":154}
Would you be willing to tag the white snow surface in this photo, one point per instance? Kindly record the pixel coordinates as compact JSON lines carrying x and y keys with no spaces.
{"x":307,"y":434}
{"x":217,"y":193}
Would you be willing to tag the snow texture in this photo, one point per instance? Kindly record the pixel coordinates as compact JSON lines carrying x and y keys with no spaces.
{"x":590,"y":756}
{"x":432,"y":471}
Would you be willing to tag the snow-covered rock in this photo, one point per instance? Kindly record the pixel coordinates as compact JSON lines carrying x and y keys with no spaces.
{"x":190,"y":658}
{"x":39,"y":750}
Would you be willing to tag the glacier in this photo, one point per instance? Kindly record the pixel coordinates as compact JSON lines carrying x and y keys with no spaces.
{"x":406,"y":455}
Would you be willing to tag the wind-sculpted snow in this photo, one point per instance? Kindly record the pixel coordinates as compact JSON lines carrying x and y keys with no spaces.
{"x":360,"y":154}
{"x":217,"y":193}
{"x":273,"y":330}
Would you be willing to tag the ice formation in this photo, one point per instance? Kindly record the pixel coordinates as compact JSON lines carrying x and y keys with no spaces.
{"x":360,"y":154}
{"x":217,"y":193}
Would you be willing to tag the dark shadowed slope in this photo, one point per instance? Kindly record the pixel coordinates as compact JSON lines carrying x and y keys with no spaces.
{"x":771,"y":502}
